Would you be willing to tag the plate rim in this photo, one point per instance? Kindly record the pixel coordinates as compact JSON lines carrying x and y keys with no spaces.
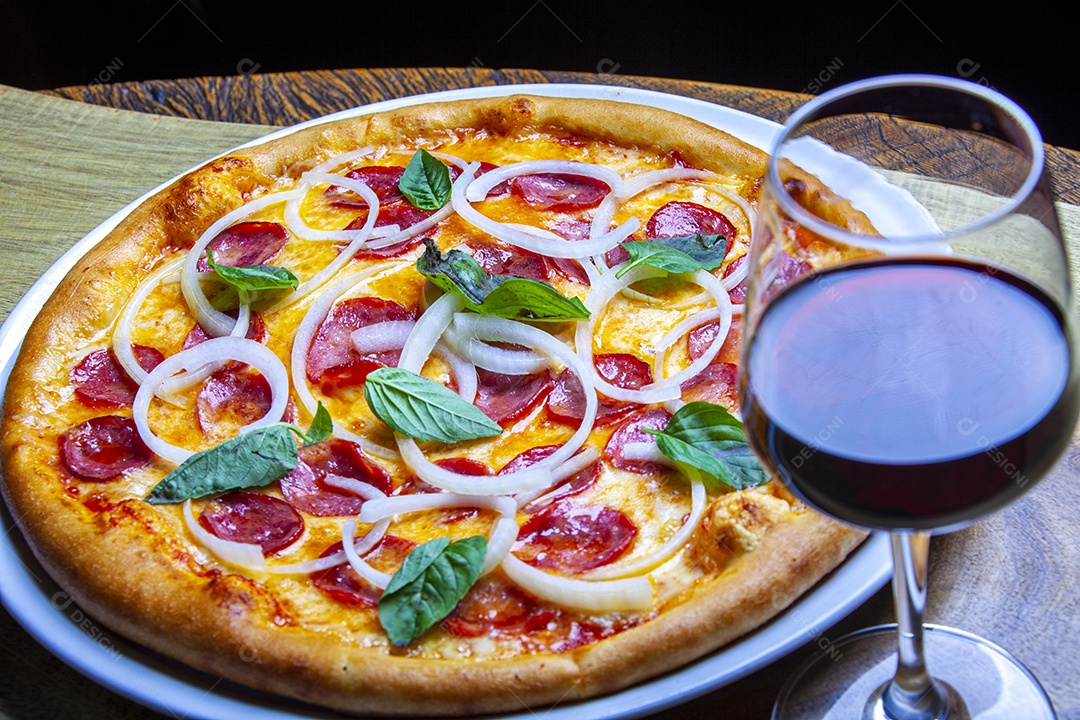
{"x":26,"y":597}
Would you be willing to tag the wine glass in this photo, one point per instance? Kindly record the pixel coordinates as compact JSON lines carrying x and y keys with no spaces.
{"x":908,"y":361}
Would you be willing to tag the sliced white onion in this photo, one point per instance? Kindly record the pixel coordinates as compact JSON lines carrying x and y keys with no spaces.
{"x":600,"y":294}
{"x":528,"y":240}
{"x":121,"y":339}
{"x":666,"y":551}
{"x":483,"y":185}
{"x":305,"y":333}
{"x":360,"y":547}
{"x":432,"y":220}
{"x":170,"y":389}
{"x":346,"y":158}
{"x":215,"y":322}
{"x":461,"y":339}
{"x":737,"y":276}
{"x":593,"y":596}
{"x":464,"y":372}
{"x":223,"y":348}
{"x":348,"y":540}
{"x":343,"y":258}
{"x":723,"y":312}
{"x":503,"y":533}
{"x":644,"y":452}
{"x":310,"y":179}
{"x":530,"y":479}
{"x":247,"y":556}
{"x":590,"y":268}
{"x":367,"y":491}
{"x":568,"y":469}
{"x":382,"y":336}
{"x":605,"y":212}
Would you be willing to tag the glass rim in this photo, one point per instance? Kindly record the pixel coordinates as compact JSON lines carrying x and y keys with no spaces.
{"x":929,"y":243}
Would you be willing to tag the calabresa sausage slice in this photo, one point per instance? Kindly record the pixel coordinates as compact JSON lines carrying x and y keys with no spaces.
{"x":305,"y":488}
{"x":343,"y":584}
{"x":103,"y":448}
{"x":253,"y":518}
{"x":571,"y":539}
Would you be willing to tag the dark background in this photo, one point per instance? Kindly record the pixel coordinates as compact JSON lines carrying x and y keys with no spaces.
{"x":1027,"y":50}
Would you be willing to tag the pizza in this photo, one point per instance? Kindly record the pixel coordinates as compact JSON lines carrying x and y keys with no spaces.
{"x":431,"y":411}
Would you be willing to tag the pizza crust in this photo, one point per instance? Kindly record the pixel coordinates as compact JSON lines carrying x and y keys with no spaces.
{"x":129,"y":570}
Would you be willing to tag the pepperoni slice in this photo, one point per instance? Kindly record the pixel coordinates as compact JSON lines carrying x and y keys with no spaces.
{"x":403,"y":215}
{"x":305,"y":488}
{"x":508,"y":398}
{"x":499,"y":259}
{"x":233,"y":396}
{"x":256,"y":331}
{"x":623,"y":370}
{"x":465,"y":466}
{"x":700,"y":338}
{"x":681,"y":219}
{"x":103,"y":448}
{"x":100,"y":380}
{"x":253,"y":518}
{"x":566,"y":403}
{"x":343,"y":584}
{"x":382,"y":180}
{"x":331,"y":359}
{"x":790,"y":269}
{"x":737,"y":293}
{"x":559,"y":192}
{"x":572,"y":539}
{"x":617,"y":255}
{"x":576,"y":484}
{"x":632,"y":430}
{"x":494,"y":606}
{"x":718,"y":383}
{"x":246,"y":244}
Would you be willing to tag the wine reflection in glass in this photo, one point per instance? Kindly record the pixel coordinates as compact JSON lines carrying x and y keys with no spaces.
{"x":920,"y":375}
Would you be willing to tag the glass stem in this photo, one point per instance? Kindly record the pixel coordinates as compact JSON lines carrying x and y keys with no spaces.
{"x":912,"y":694}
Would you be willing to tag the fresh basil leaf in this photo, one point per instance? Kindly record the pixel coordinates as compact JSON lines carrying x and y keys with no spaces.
{"x":321,"y":428}
{"x":429,"y":584}
{"x":426,"y":181}
{"x":708,"y":443}
{"x":678,"y":254}
{"x":253,"y":278}
{"x":423,"y":409}
{"x":253,"y":459}
{"x":504,"y":296}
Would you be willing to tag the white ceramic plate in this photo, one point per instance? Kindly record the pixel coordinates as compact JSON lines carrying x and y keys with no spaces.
{"x":169,"y":687}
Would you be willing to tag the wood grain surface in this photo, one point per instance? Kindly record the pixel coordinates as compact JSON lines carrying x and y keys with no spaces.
{"x":288,"y":98}
{"x":64,"y":167}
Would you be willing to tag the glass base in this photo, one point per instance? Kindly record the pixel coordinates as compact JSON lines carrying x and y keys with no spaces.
{"x":846,"y":679}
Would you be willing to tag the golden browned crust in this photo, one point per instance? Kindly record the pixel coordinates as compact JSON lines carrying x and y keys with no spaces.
{"x":127,"y":568}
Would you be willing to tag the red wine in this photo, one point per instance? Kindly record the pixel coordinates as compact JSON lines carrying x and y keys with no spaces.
{"x":910,"y":394}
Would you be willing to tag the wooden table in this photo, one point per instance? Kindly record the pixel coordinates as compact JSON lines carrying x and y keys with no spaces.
{"x":1013,"y":578}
